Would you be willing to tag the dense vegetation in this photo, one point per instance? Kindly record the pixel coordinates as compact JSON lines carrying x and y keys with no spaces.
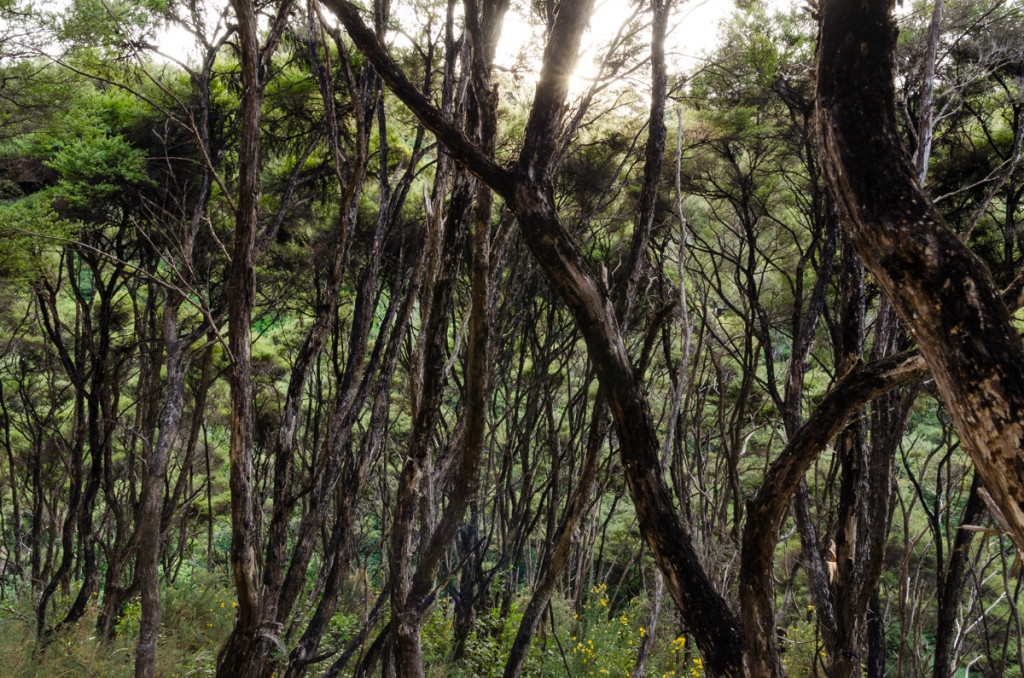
{"x":316,"y":361}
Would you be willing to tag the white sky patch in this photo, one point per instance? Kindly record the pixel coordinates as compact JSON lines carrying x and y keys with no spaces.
{"x":693,"y":32}
{"x":177,"y":43}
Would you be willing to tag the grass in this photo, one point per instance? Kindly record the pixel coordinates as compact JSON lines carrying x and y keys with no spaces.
{"x":197,"y":617}
{"x":199,"y":611}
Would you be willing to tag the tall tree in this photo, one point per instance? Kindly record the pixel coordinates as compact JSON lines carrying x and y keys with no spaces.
{"x":941,"y":291}
{"x":254,"y":60}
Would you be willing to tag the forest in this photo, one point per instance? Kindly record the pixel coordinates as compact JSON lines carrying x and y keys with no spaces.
{"x":343,"y":343}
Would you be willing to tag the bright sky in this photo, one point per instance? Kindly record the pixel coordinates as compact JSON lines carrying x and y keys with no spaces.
{"x":694,"y":30}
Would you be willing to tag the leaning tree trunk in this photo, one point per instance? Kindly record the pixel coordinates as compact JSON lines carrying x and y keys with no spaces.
{"x":565,"y":537}
{"x":943,"y":293}
{"x":527,"y":189}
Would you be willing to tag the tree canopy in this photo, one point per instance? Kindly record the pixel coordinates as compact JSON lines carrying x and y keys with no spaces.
{"x":342,"y":343}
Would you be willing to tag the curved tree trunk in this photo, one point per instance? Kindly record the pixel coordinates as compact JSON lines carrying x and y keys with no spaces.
{"x":528,"y":192}
{"x":942,"y":292}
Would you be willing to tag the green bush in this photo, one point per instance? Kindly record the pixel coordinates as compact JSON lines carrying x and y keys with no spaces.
{"x":197,"y":616}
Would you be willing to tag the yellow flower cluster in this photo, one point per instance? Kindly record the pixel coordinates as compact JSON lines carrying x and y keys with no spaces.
{"x":605,"y":642}
{"x":585,"y":651}
{"x":220,"y":604}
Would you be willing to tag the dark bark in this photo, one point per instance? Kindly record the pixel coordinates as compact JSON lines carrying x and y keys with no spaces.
{"x":93,"y":372}
{"x":875,"y":665}
{"x":101,"y":406}
{"x":654,"y":151}
{"x":414,"y":468}
{"x":302,"y":654}
{"x":67,"y":531}
{"x":849,"y":394}
{"x":353,"y":473}
{"x":151,"y":502}
{"x":715,"y":628}
{"x":16,"y":568}
{"x":409,"y":606}
{"x":766,"y":510}
{"x":151,"y":499}
{"x":565,"y":540}
{"x":453,"y":139}
{"x":760,"y":638}
{"x":565,"y":537}
{"x":278,"y":591}
{"x":530,"y":197}
{"x":942,"y":292}
{"x":954,"y":578}
{"x":234,"y":658}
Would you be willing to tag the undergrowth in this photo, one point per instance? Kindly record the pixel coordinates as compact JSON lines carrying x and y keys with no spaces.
{"x":594,"y":640}
{"x":197,"y":616}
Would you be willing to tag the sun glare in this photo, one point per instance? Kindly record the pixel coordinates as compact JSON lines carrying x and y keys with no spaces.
{"x":694,"y":30}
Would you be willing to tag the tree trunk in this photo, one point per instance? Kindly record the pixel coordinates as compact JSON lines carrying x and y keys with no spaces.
{"x":233,"y":660}
{"x":527,"y":190}
{"x":953,"y":580}
{"x":151,"y":500}
{"x":942,"y":292}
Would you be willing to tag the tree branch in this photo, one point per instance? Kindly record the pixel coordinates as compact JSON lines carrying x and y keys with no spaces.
{"x":451,"y":137}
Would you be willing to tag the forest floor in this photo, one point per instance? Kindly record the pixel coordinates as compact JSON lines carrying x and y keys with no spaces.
{"x":601,"y":639}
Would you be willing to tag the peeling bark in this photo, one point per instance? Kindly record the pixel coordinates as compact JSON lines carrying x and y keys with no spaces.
{"x":942,"y":292}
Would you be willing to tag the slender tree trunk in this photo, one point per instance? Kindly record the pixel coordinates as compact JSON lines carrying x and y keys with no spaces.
{"x":67,"y":532}
{"x":18,"y":569}
{"x":565,"y":540}
{"x":151,"y":499}
{"x":926,"y":121}
{"x":277,"y":602}
{"x":954,"y":578}
{"x":232,"y":660}
{"x":844,"y":631}
{"x":409,"y":607}
{"x":528,"y":191}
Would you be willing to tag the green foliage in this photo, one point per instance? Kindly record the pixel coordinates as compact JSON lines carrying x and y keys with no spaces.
{"x":198,"y":613}
{"x":83,"y":160}
{"x":29,"y":227}
{"x":95,"y":167}
{"x":77,"y":162}
{"x":199,"y":609}
{"x":605,"y":642}
{"x":106,"y":30}
{"x":803,"y":653}
{"x":596,"y":642}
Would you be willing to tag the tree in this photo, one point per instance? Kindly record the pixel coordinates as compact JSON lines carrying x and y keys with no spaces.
{"x":555,"y":251}
{"x":482,"y":409}
{"x":967,"y":339}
